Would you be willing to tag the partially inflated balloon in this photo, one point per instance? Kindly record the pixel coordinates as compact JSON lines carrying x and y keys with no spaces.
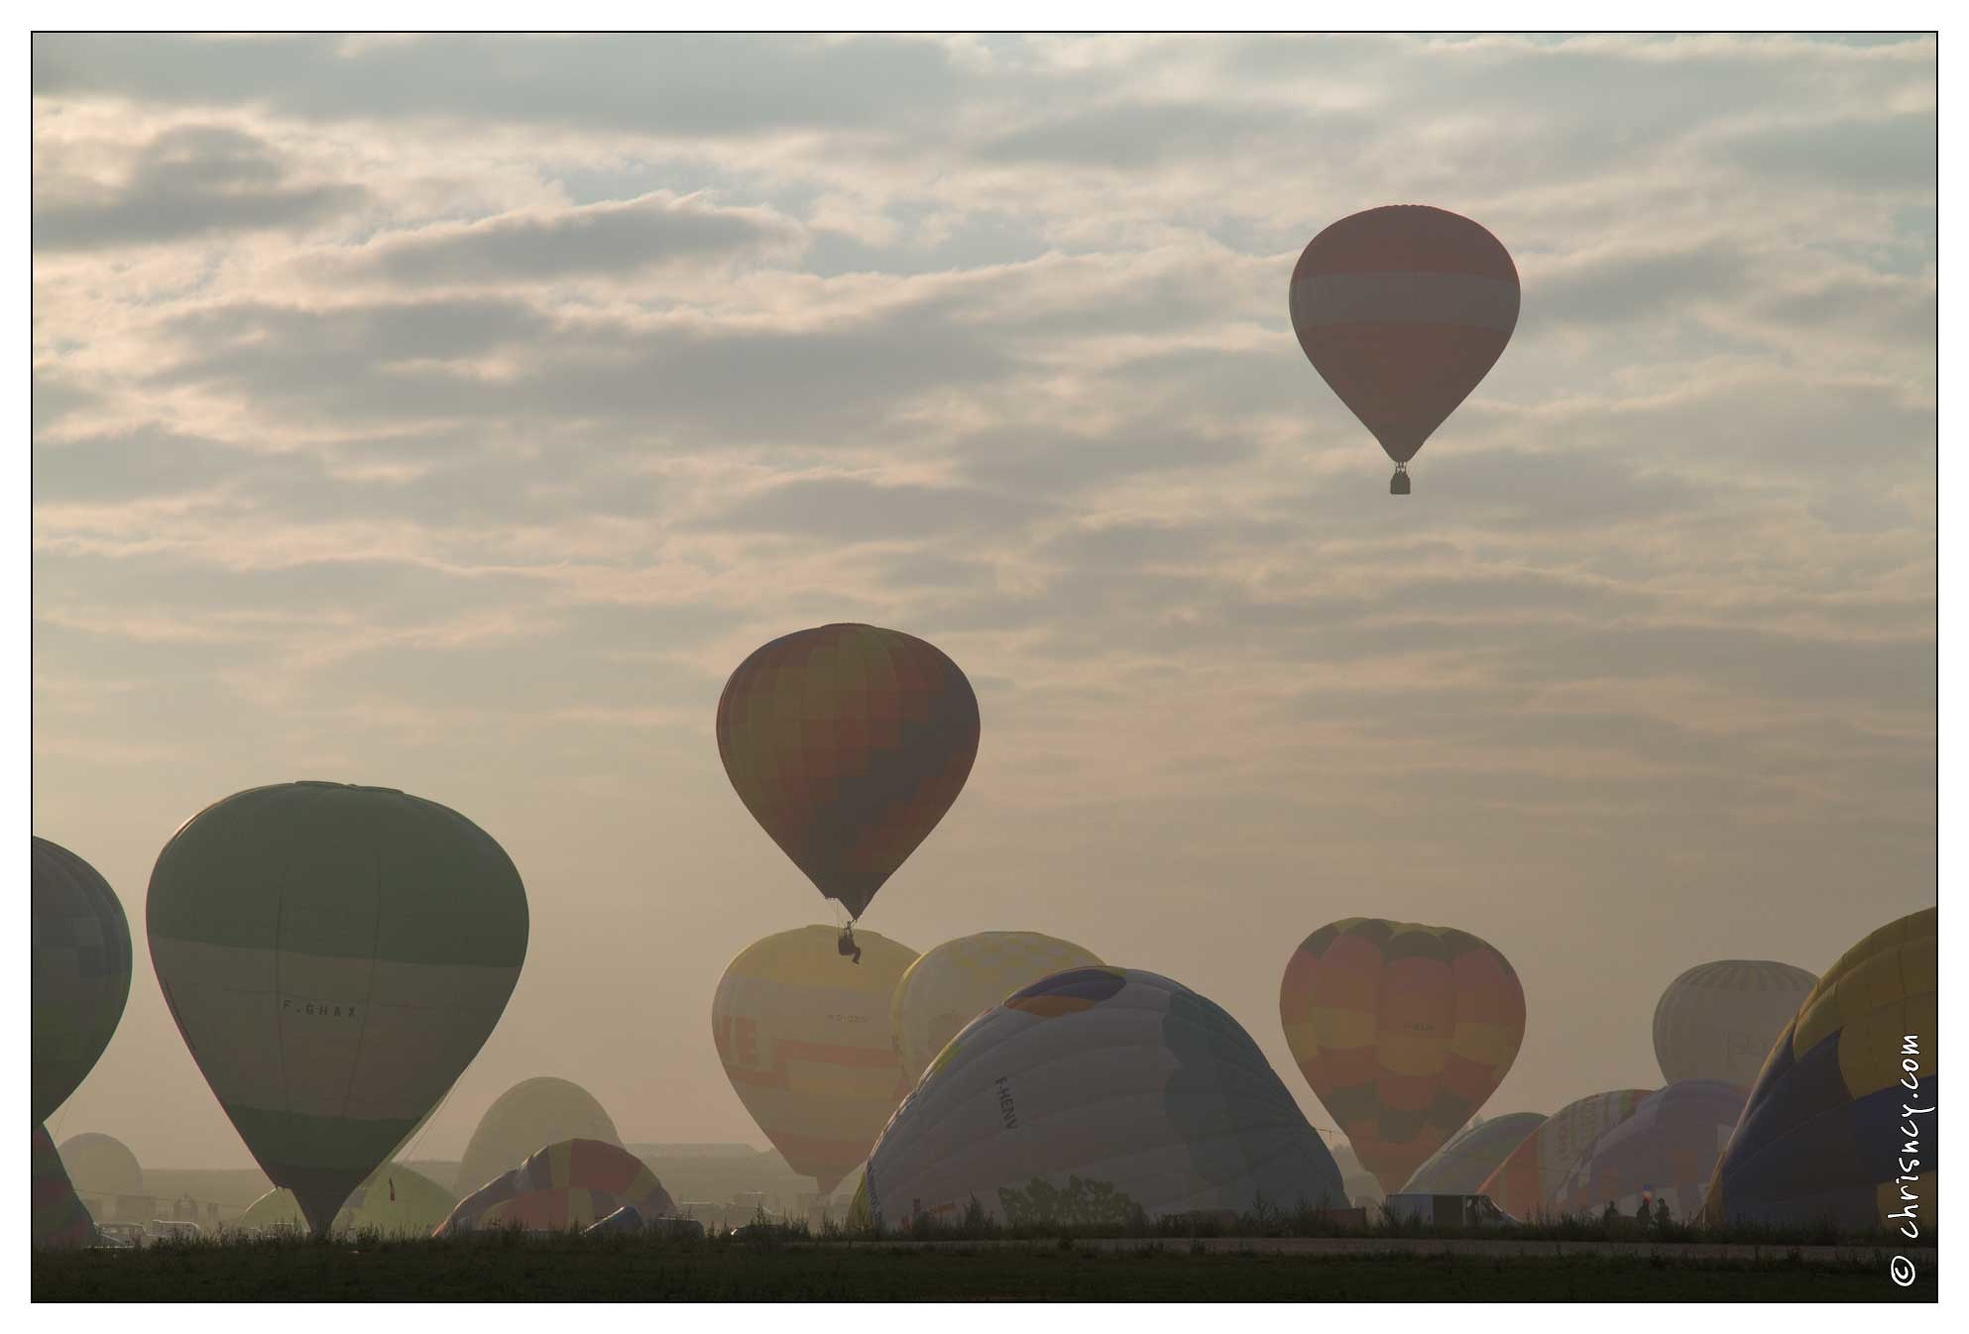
{"x":1718,"y":1020}
{"x":334,"y":957}
{"x":1845,"y":1106}
{"x":1403,"y":310}
{"x":949,"y":986}
{"x":81,"y":972}
{"x":1460,"y":1166}
{"x":573,"y":1184}
{"x":396,"y":1201}
{"x":1525,"y":1184}
{"x":848,"y":743}
{"x":1664,"y":1152}
{"x":1402,"y":1031}
{"x":1090,"y":1095}
{"x":804,"y":1038}
{"x":537,"y":1111}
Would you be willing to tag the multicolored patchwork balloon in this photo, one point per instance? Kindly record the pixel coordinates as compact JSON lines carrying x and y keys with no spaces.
{"x":1526,"y":1184}
{"x":81,"y":972}
{"x":1403,"y":310}
{"x":334,"y":957}
{"x":1719,"y":1020}
{"x":573,"y":1184}
{"x":1472,"y":1154}
{"x":1842,"y":1114}
{"x":537,"y":1111}
{"x":848,"y":743}
{"x":1088,"y":1096}
{"x":804,"y":1038}
{"x":949,"y":986}
{"x":1665,"y":1152}
{"x":1402,"y":1031}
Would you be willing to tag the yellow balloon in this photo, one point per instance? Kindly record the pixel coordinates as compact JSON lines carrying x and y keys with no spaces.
{"x":960,"y":979}
{"x":804,"y":1036}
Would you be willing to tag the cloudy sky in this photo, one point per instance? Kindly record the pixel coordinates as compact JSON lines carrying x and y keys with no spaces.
{"x":454,"y":414}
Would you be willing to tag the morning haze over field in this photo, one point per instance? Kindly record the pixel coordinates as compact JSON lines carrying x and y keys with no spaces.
{"x":455,"y":414}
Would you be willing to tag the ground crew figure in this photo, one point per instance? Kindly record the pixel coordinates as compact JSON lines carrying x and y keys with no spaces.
{"x":1662,"y":1217}
{"x":1611,"y":1216}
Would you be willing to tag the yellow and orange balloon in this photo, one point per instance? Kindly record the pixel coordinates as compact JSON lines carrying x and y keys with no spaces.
{"x":1402,"y":1031}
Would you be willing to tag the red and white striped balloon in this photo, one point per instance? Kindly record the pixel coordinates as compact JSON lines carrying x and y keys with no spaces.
{"x":1403,"y":310}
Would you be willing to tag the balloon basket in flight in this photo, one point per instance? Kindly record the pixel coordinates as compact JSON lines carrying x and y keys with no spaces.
{"x":1398,"y":484}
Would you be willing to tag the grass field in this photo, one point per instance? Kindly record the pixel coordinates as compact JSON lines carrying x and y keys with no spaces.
{"x":518,"y":1268}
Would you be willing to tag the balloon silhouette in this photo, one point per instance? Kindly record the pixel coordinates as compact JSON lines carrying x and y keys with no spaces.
{"x":1403,"y":1031}
{"x":81,"y":972}
{"x":848,"y":743}
{"x":334,"y":956}
{"x":1403,"y":310}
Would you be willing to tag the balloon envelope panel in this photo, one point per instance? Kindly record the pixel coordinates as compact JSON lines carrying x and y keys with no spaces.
{"x":848,"y":743}
{"x":949,"y":986}
{"x":58,"y":1220}
{"x":81,"y":972}
{"x":1403,"y":1031}
{"x":1461,"y":1166}
{"x":803,"y":1034}
{"x":571,"y":1184}
{"x":1665,"y":1151}
{"x":542,"y":1110}
{"x":1719,"y":1020}
{"x":1525,"y":1183}
{"x":1826,"y":1135}
{"x":334,"y":957}
{"x":1403,"y":310}
{"x":1092,"y":1094}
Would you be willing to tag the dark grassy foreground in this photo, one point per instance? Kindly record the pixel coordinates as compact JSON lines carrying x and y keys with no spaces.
{"x":788,"y":1268}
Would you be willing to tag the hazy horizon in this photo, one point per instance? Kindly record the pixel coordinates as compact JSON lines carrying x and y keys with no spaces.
{"x":454,"y":414}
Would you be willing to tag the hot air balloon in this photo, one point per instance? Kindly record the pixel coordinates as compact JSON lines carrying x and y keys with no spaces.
{"x":1403,"y":310}
{"x":334,"y":957}
{"x":102,"y":1165}
{"x":573,"y":1184}
{"x":1090,"y":1095}
{"x":1840,"y":1126}
{"x":1665,"y":1151}
{"x":1718,"y":1020}
{"x":395,"y":1201}
{"x":949,"y":986}
{"x":1460,"y":1166}
{"x":1402,"y":1031}
{"x":533,"y":1112}
{"x":805,"y":1042}
{"x":1525,"y":1183}
{"x":81,"y":972}
{"x":57,"y":1219}
{"x":848,"y":743}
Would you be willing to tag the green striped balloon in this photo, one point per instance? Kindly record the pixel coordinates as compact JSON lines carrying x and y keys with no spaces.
{"x":334,"y":956}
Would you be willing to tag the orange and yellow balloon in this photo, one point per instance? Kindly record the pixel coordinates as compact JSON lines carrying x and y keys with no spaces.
{"x":1402,"y":1031}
